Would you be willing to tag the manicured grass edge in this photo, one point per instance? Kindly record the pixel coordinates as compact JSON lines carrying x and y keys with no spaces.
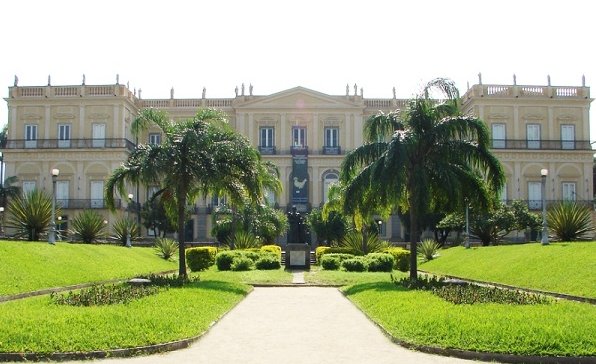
{"x":530,"y":290}
{"x":479,"y":355}
{"x":115,"y":353}
{"x":45,"y":291}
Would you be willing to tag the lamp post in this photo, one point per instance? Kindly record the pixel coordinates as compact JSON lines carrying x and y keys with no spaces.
{"x":544,"y":173}
{"x":52,"y":233}
{"x":380,"y":222}
{"x":467,"y":236}
{"x":128,"y":244}
{"x":2,"y":220}
{"x":59,"y":229}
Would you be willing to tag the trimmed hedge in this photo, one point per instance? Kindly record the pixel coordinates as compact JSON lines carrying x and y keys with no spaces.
{"x":356,"y":264}
{"x":275,"y":249}
{"x":223,"y":260}
{"x":268,"y":261}
{"x":380,"y":262}
{"x":242,"y":263}
{"x":332,"y":261}
{"x":201,"y":258}
{"x":401,"y":257}
{"x":236,"y":260}
{"x":322,"y":250}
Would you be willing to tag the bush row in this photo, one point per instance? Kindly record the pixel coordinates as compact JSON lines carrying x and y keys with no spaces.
{"x":373,"y":262}
{"x":401,"y":257}
{"x":265,"y":257}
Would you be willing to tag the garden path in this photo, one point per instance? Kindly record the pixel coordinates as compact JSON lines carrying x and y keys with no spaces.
{"x":292,"y":325}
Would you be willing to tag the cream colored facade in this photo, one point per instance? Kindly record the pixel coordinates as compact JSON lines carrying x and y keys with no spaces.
{"x":85,"y":132}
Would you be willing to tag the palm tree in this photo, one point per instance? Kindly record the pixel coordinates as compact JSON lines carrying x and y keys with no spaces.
{"x":430,"y":152}
{"x":194,"y":156}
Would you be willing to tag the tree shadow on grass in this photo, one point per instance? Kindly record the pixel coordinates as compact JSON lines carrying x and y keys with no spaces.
{"x":374,"y":286}
{"x":219,"y":286}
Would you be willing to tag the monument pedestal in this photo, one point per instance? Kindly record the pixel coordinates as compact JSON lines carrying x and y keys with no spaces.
{"x":297,"y":256}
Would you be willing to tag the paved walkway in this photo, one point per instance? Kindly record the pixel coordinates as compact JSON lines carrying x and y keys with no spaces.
{"x":292,"y":325}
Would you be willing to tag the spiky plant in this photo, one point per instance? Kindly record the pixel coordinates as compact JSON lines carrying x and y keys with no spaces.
{"x":428,"y":249}
{"x":30,"y":215}
{"x":165,"y":248}
{"x":359,"y":246}
{"x":122,"y":227}
{"x":569,"y":221}
{"x":243,"y":240}
{"x":88,"y":227}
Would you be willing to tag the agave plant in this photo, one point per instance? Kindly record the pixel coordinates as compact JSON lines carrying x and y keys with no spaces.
{"x":30,"y":215}
{"x":243,"y":240}
{"x":123,"y":227}
{"x":569,"y":221}
{"x":355,"y":242}
{"x":165,"y":248}
{"x":88,"y":226}
{"x":428,"y":249}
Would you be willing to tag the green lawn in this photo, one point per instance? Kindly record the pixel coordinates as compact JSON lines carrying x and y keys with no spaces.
{"x":38,"y":325}
{"x":341,"y":278}
{"x":560,"y":267}
{"x":277,"y":276}
{"x":29,"y":266}
{"x":562,"y":328}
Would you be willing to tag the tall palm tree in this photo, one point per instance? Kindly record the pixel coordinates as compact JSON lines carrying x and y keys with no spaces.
{"x":194,"y":156}
{"x":428,"y":152}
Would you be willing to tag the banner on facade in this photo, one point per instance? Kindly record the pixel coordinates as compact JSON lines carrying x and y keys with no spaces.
{"x":299,"y":182}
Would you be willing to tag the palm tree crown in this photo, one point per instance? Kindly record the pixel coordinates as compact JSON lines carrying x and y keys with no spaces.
{"x":196,"y":156}
{"x":429,"y":153}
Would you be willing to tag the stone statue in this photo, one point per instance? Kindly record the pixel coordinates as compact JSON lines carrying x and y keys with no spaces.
{"x":394,"y":94}
{"x":204,"y":92}
{"x":16,"y":80}
{"x":172,"y":93}
{"x":117,"y":79}
{"x":583,"y":80}
{"x":49,"y":80}
{"x":514,"y":79}
{"x":355,"y":89}
{"x":140,"y":93}
{"x":242,"y":88}
{"x":236,"y":91}
{"x":83,"y":82}
{"x":347,"y":89}
{"x":361,"y":92}
{"x":548,"y":79}
{"x":128,"y":85}
{"x":297,"y":231}
{"x":250,"y":89}
{"x":479,"y":78}
{"x":135,"y":92}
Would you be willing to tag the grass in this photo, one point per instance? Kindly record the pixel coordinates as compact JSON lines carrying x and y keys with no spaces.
{"x":276,"y":276}
{"x":38,"y":325}
{"x":29,"y":266}
{"x":563,"y":328}
{"x":341,"y":278}
{"x":561,"y":267}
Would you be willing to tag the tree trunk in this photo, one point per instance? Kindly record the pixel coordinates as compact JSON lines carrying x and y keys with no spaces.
{"x":413,"y":243}
{"x":181,"y":245}
{"x":364,"y":241}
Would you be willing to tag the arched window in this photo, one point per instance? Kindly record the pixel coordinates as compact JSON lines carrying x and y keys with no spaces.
{"x":328,"y":179}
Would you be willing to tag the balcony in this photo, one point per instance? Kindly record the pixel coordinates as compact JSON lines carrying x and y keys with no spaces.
{"x":267,"y":150}
{"x":540,"y":144}
{"x":299,"y":150}
{"x":536,"y":205}
{"x":72,"y":204}
{"x":332,"y":150}
{"x":70,"y":144}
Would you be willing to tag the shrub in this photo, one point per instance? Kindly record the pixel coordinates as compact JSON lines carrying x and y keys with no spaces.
{"x":330,"y":262}
{"x":401,"y":258}
{"x":201,"y":258}
{"x":471,"y":293}
{"x":268,"y":261}
{"x":223,"y":260}
{"x":88,"y":226}
{"x":104,"y":295}
{"x":253,"y":255}
{"x":569,"y":221}
{"x":356,"y":264}
{"x":243,"y":240}
{"x":422,"y":282}
{"x":380,"y":262}
{"x":169,"y":280}
{"x":30,"y":214}
{"x":242,"y":263}
{"x":319,"y":251}
{"x":165,"y":248}
{"x":122,"y":227}
{"x":333,"y":250}
{"x":275,"y":249}
{"x":358,"y":246}
{"x":428,"y":249}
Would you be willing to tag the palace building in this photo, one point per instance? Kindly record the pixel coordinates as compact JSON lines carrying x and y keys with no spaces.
{"x":84,"y":131}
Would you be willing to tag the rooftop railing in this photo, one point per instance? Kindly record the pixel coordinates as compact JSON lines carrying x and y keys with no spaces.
{"x":72,"y":91}
{"x":541,"y":144}
{"x":70,"y":144}
{"x":528,"y":91}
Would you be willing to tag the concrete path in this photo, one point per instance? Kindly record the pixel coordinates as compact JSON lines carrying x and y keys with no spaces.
{"x":292,"y":325}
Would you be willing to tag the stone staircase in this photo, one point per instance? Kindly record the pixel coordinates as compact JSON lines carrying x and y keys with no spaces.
{"x":313,"y":258}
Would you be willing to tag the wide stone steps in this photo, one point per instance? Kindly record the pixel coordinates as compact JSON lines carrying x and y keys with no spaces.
{"x":313,"y":258}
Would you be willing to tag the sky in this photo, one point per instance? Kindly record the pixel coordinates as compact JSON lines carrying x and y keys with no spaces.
{"x":277,"y":45}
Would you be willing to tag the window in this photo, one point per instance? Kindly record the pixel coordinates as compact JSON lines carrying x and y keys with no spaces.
{"x":155,"y":138}
{"x":329,"y":179}
{"x":99,"y":135}
{"x":498,"y":135}
{"x":270,"y":198}
{"x":151,"y":190}
{"x":62,"y":192}
{"x":266,"y":137}
{"x":30,"y":136}
{"x":63,"y":135}
{"x":568,"y":136}
{"x":97,"y":195}
{"x":534,"y":195}
{"x":298,"y":137}
{"x":218,"y":201}
{"x":331,"y":137}
{"x":533,"y":136}
{"x":503,"y":194}
{"x":569,"y":191}
{"x":28,"y":187}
